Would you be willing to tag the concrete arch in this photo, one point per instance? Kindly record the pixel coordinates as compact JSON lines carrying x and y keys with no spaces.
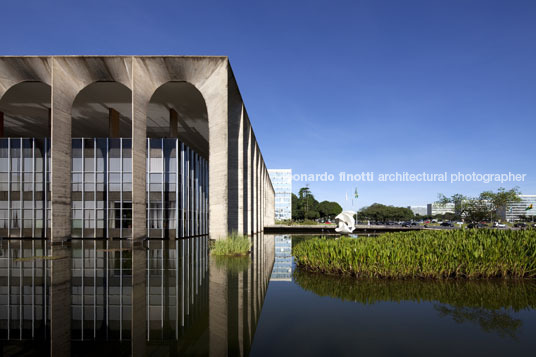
{"x":177,"y":110}
{"x":96,"y":105}
{"x":25,"y":110}
{"x":183,"y":103}
{"x":24,"y":69}
{"x":209,"y":75}
{"x":70,"y":76}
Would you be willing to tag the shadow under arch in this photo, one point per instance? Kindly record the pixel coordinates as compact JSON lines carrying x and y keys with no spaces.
{"x":191,"y":112}
{"x":25,"y":160}
{"x":92,"y":106}
{"x":177,"y":157}
{"x":26,"y":110}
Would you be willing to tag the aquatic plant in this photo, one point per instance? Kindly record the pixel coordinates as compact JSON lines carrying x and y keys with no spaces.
{"x":441,"y":254}
{"x":235,"y":244}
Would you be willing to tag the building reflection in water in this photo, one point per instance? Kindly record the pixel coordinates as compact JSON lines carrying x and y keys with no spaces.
{"x":283,"y":259}
{"x":97,"y":296}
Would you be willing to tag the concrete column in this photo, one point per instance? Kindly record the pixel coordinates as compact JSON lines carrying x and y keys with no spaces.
{"x":139,"y":303}
{"x":258,"y":169}
{"x":217,"y":313}
{"x":113,"y":123}
{"x":249,"y":182}
{"x":236,"y":113}
{"x":263,"y":206}
{"x":2,"y":124}
{"x":265,"y":176}
{"x":245,"y":176}
{"x":261,"y":189}
{"x":240,"y":318}
{"x":261,"y":183}
{"x":254,"y":188}
{"x":218,"y":123}
{"x":140,"y":99}
{"x":173,"y":123}
{"x":240,"y":175}
{"x":60,"y":301}
{"x":270,"y":203}
{"x":63,"y":94}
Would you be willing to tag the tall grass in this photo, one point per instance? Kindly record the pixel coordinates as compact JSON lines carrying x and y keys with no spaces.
{"x":471,"y":254}
{"x":235,"y":244}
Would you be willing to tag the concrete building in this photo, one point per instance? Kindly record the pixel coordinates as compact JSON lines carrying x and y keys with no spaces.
{"x":436,"y":208}
{"x":127,"y":147}
{"x":282,"y":182}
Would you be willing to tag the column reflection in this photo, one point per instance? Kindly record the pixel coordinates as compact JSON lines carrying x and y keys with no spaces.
{"x":102,"y":296}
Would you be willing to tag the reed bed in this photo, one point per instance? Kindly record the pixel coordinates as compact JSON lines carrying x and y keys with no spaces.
{"x":470,"y":254}
{"x":233,"y":245}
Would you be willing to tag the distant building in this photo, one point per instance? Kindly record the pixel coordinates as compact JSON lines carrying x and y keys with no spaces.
{"x":436,"y":208}
{"x":419,"y":210}
{"x":282,"y":270}
{"x":519,"y":210}
{"x":282,"y":182}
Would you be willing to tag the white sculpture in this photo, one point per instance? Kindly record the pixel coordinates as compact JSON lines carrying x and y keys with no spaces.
{"x":345,"y":222}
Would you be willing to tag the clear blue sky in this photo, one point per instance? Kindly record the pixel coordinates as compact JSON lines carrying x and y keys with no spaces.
{"x":333,"y":86}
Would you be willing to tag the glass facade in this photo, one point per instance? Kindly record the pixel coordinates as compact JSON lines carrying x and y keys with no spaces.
{"x":282,"y":182}
{"x":177,"y":188}
{"x":24,"y":189}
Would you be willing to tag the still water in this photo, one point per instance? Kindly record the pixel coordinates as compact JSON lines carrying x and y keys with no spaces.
{"x":164,"y":298}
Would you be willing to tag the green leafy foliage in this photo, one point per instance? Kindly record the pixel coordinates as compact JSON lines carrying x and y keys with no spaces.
{"x":306,"y":207}
{"x":471,"y":254}
{"x":383,"y":213}
{"x":488,"y":205}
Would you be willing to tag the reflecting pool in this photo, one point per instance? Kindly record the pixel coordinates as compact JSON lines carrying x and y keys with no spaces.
{"x":169,"y":298}
{"x":318,"y":315}
{"x":96,"y":297}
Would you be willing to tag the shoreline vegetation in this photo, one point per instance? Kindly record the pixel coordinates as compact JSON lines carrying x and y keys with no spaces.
{"x":234,"y":245}
{"x":458,"y":254}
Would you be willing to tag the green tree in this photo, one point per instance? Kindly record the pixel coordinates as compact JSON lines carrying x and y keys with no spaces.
{"x":383,"y":213}
{"x":306,"y":205}
{"x":297,"y":214}
{"x":486,"y":206}
{"x":328,"y":209}
{"x":460,"y":203}
{"x":497,"y":201}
